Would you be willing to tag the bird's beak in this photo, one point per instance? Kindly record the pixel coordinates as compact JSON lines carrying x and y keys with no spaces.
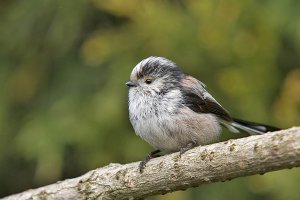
{"x":130,"y":84}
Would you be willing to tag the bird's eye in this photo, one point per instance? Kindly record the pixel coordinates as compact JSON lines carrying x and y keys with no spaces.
{"x":148,"y":81}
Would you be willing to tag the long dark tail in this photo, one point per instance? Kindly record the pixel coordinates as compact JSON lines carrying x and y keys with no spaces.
{"x":250,"y":127}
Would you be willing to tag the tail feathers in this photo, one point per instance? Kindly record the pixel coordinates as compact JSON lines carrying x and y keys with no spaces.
{"x":250,"y":127}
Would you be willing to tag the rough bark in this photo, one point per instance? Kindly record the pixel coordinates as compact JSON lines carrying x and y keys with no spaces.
{"x":212,"y":163}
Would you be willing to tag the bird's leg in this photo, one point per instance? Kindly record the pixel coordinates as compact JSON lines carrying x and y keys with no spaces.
{"x":189,"y":146}
{"x":152,"y":154}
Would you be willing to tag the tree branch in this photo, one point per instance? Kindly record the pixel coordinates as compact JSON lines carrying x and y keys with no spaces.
{"x":217,"y":162}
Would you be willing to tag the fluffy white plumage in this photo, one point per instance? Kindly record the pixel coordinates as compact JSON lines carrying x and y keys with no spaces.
{"x":163,"y":120}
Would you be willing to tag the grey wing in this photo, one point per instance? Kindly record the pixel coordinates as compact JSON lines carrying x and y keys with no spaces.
{"x":199,"y":100}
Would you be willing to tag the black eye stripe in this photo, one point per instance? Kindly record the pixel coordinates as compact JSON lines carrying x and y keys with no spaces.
{"x":158,"y":68}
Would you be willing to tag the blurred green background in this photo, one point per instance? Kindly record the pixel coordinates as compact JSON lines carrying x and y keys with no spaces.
{"x":63,"y":65}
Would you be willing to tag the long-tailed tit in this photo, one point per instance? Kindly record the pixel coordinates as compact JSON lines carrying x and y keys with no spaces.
{"x":172,"y":111}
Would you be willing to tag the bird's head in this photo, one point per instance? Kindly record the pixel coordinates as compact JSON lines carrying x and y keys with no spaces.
{"x":155,"y":75}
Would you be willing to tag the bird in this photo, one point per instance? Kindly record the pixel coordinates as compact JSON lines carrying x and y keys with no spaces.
{"x":172,"y":111}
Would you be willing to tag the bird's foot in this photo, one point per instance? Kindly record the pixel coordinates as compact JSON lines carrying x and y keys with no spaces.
{"x":151,"y":155}
{"x":189,"y":146}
